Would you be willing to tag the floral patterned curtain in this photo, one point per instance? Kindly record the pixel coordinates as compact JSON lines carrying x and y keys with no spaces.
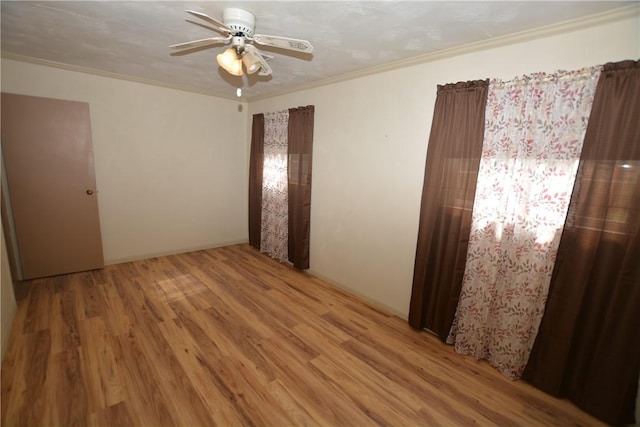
{"x":274,"y":237}
{"x":534,"y":129}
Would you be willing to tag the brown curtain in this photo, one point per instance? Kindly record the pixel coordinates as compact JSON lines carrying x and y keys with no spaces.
{"x":300,"y":150}
{"x":255,"y":179}
{"x":588,"y":346}
{"x":453,"y":158}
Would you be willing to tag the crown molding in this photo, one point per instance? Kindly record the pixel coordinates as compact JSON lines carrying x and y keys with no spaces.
{"x":624,"y":12}
{"x":540,"y":32}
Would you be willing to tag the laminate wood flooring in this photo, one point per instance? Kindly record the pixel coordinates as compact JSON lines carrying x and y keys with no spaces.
{"x":230,"y":337}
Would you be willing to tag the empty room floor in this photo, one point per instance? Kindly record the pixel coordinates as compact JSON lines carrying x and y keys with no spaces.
{"x":228,"y":336}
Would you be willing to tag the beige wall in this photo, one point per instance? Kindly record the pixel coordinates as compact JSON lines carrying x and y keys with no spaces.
{"x":170,"y":165}
{"x":370,"y":146}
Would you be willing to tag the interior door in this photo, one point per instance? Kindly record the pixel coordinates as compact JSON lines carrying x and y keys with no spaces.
{"x":48,"y":157}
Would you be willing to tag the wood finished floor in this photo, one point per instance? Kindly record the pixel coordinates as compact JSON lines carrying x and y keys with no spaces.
{"x":229,"y":337}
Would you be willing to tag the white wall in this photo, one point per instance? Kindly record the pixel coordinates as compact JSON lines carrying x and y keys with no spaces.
{"x":370,"y":145}
{"x":170,"y":165}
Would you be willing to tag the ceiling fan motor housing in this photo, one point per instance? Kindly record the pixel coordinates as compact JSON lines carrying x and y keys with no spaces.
{"x":239,"y":20}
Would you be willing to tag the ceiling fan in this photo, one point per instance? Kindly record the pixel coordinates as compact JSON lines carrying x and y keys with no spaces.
{"x":238,"y":29}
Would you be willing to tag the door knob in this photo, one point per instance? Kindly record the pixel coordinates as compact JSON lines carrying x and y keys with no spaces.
{"x":89,"y":192}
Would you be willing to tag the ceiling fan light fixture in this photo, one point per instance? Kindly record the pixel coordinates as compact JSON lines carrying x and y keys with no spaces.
{"x":251,"y":62}
{"x":230,"y":62}
{"x":226,"y":58}
{"x":236,"y":68}
{"x":238,"y":28}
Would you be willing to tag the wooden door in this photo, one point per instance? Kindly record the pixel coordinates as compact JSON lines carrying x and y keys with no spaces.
{"x":48,"y":157}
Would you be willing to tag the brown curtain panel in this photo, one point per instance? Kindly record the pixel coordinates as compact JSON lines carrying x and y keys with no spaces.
{"x":588,"y":345}
{"x":300,"y":148}
{"x":255,"y":179}
{"x":453,"y":158}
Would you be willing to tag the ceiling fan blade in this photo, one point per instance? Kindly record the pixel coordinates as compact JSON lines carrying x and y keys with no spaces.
{"x":190,"y":50}
{"x":265,"y":69}
{"x":266,"y":56}
{"x":284,"y":43}
{"x":201,"y":43}
{"x":217,"y":24}
{"x":202,"y":25}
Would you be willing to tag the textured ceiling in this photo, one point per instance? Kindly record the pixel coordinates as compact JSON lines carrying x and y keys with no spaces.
{"x":131,"y":38}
